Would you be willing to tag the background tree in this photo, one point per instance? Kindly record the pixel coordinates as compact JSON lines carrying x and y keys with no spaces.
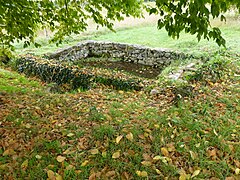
{"x":193,"y":16}
{"x":19,"y":19}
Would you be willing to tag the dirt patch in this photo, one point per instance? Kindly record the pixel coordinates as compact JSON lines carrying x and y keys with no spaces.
{"x":136,"y":69}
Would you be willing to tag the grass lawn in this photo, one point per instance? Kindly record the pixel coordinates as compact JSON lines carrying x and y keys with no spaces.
{"x":188,"y":130}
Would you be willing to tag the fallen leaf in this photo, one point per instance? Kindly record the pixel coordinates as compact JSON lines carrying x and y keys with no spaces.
{"x":230,"y":178}
{"x":129,"y":136}
{"x":28,"y":126}
{"x":116,"y":155}
{"x":164,"y":151}
{"x":38,"y":156}
{"x":158,"y":171}
{"x":146,"y":163}
{"x":92,"y":176}
{"x":110,"y":173}
{"x":58,"y":177}
{"x":61,"y":158}
{"x":84,"y":163}
{"x":147,"y":157}
{"x":195,"y":173}
{"x":156,"y":158}
{"x":142,"y":173}
{"x":183,"y":175}
{"x":193,"y":155}
{"x":69,"y":167}
{"x":51,"y":175}
{"x":125,"y":176}
{"x":94,"y":151}
{"x":171,"y":147}
{"x":237,"y":171}
{"x":70,"y":134}
{"x":237,"y":163}
{"x":104,"y":154}
{"x":118,"y":139}
{"x":121,"y":92}
{"x":24,"y":165}
{"x":212,"y":152}
{"x":9,"y":152}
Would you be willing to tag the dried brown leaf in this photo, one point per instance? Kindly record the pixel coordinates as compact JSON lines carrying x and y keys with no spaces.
{"x":9,"y":152}
{"x":110,"y":173}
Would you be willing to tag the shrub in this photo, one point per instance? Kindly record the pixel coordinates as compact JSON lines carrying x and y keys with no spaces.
{"x":213,"y":70}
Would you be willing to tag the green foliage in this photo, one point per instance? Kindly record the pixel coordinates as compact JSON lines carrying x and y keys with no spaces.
{"x":51,"y":71}
{"x":192,"y":17}
{"x":61,"y":16}
{"x":5,"y":55}
{"x":64,"y":17}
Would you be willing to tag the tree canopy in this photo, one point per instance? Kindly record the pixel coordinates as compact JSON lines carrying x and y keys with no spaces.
{"x":19,"y":19}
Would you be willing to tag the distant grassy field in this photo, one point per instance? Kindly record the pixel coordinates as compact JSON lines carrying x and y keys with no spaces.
{"x":145,"y":32}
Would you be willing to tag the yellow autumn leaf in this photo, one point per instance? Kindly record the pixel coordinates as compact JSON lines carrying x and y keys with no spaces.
{"x":142,"y":173}
{"x":138,"y":173}
{"x":121,"y":92}
{"x":94,"y":151}
{"x":70,"y":134}
{"x":164,"y":151}
{"x":146,"y":163}
{"x":237,"y":171}
{"x":182,"y":177}
{"x":28,"y":126}
{"x":129,"y":136}
{"x":116,"y":155}
{"x":61,"y":158}
{"x":104,"y":154}
{"x":84,"y":163}
{"x":158,"y":171}
{"x":51,"y":175}
{"x":195,"y":173}
{"x":118,"y":139}
{"x":38,"y":156}
{"x":193,"y":155}
{"x":156,"y":158}
{"x":58,"y":177}
{"x":24,"y":165}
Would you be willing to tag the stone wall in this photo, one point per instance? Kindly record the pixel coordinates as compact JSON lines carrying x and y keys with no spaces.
{"x":123,"y":51}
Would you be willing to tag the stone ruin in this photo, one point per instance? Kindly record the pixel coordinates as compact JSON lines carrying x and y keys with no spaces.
{"x":157,"y":57}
